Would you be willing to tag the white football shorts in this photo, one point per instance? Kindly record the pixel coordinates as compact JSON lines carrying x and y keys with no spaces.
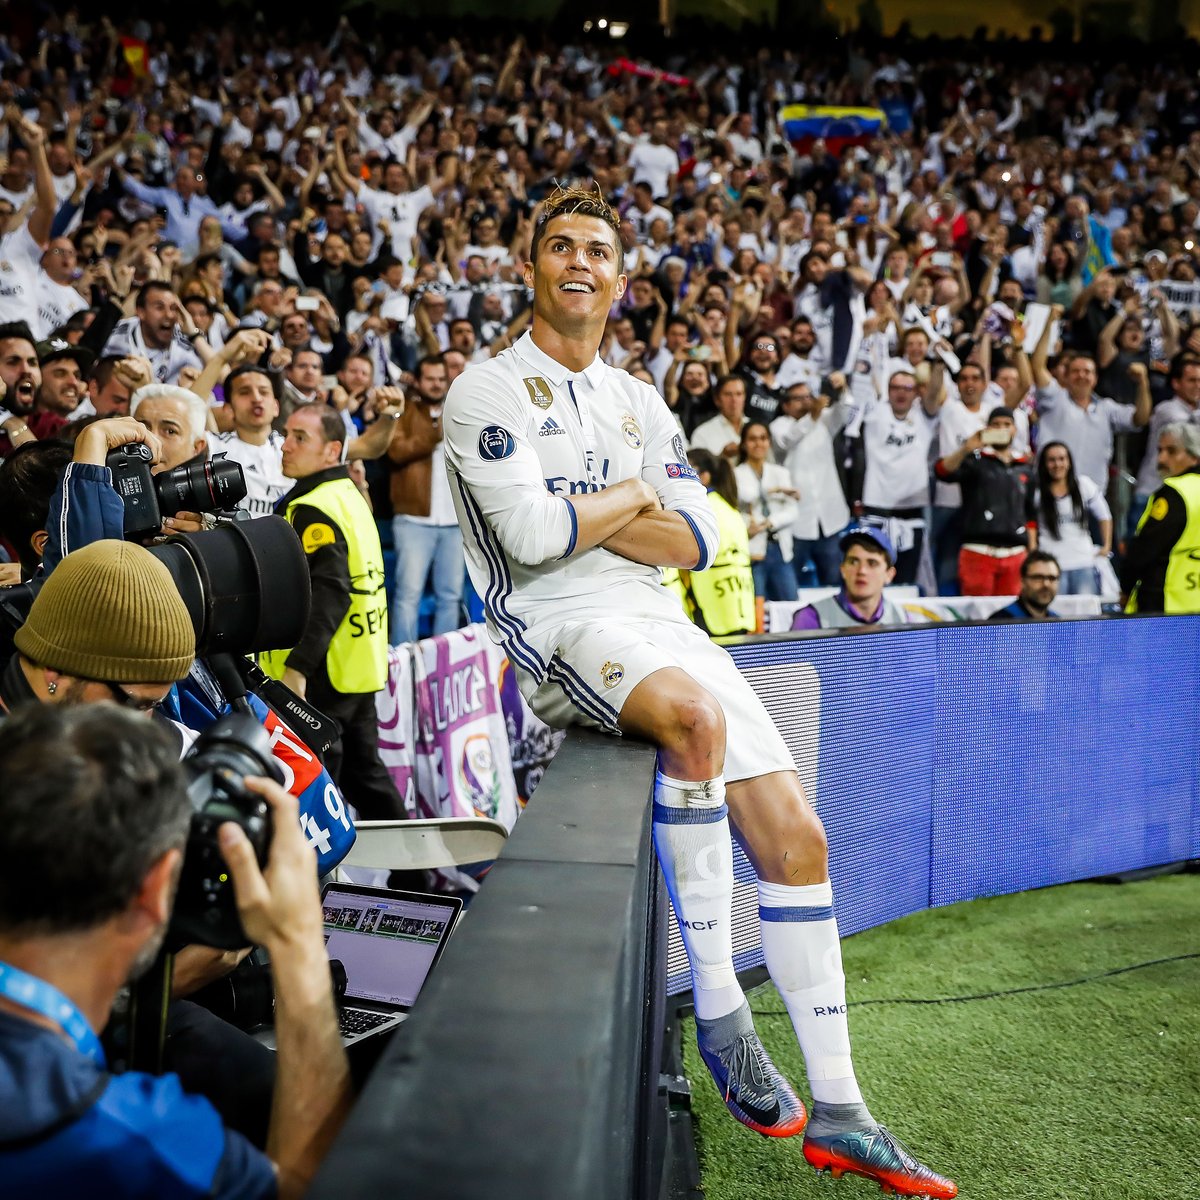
{"x":593,"y":664}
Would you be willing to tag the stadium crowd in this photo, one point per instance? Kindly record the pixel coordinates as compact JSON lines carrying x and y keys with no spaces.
{"x":834,"y":307}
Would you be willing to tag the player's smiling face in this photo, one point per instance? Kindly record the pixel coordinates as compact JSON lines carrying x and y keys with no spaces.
{"x":577,"y":276}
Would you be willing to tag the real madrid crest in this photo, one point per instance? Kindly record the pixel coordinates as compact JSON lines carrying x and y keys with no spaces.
{"x":612,"y":673}
{"x":539,"y":391}
{"x":631,"y":431}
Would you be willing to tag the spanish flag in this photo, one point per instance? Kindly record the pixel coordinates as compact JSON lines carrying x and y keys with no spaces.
{"x":135,"y":56}
{"x":838,"y":127}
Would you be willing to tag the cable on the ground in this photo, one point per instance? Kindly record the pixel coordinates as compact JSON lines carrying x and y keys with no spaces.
{"x":1036,"y":987}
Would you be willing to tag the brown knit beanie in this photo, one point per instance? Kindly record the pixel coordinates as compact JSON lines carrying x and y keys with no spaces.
{"x":110,"y":612}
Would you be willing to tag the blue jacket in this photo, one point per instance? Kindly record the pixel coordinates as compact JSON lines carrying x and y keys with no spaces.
{"x":67,"y":1129}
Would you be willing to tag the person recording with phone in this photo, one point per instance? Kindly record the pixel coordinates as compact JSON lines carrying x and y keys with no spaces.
{"x":82,"y":915}
{"x":995,"y":530}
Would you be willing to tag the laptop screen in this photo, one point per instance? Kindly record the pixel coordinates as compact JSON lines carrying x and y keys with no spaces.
{"x":387,"y":943}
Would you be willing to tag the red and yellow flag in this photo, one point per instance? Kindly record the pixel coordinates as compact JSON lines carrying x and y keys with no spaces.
{"x":135,"y":55}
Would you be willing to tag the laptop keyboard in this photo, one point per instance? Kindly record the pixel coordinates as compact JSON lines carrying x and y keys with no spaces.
{"x":355,"y":1021}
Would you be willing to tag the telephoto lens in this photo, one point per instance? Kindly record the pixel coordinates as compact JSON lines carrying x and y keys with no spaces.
{"x":200,"y":487}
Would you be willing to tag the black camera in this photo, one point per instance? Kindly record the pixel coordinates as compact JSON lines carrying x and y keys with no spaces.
{"x":194,"y":487}
{"x":217,"y":766}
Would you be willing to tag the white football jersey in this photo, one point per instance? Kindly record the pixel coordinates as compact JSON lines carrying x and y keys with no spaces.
{"x":897,"y":454}
{"x":57,"y":303}
{"x":126,"y":338}
{"x":261,"y":465}
{"x":523,"y":434}
{"x":20,"y":266}
{"x":401,"y":210}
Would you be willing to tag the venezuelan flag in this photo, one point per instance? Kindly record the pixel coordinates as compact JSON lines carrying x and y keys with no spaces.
{"x":839,"y":127}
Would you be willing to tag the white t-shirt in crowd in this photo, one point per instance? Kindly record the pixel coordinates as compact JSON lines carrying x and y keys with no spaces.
{"x":715,"y":434}
{"x":20,"y":265}
{"x":956,"y":425}
{"x":261,"y":465}
{"x":795,"y":369}
{"x":57,"y":303}
{"x":655,"y":165}
{"x":641,"y":221}
{"x":897,"y":454}
{"x":401,"y":210}
{"x":1074,"y":547}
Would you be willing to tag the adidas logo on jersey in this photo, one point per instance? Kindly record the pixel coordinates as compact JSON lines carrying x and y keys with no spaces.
{"x":551,"y":428}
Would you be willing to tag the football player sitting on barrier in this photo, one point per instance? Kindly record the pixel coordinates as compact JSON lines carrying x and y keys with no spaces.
{"x":573,"y":492}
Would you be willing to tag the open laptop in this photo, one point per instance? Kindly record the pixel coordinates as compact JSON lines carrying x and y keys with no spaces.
{"x":388,"y":941}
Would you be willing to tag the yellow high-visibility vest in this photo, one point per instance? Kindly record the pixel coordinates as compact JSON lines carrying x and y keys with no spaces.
{"x":357,"y":657}
{"x":724,"y":593}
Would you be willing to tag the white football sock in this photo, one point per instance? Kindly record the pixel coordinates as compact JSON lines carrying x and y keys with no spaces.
{"x":804,"y":957}
{"x":691,"y":837}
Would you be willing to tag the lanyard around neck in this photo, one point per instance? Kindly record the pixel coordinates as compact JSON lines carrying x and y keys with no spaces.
{"x":47,"y":1001}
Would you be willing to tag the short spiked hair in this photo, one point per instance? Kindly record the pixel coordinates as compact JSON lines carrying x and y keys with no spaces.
{"x":582,"y":202}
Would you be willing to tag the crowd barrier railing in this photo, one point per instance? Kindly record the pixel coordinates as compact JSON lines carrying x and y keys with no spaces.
{"x":530,"y":1068}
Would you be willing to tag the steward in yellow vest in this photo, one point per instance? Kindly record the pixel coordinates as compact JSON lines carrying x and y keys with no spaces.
{"x":1161,"y":569}
{"x":341,"y":661}
{"x":721,"y":599}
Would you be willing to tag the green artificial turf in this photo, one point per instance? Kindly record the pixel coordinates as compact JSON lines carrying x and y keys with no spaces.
{"x":1079,"y":1093}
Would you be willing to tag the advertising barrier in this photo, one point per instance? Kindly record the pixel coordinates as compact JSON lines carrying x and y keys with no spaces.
{"x":950,"y":762}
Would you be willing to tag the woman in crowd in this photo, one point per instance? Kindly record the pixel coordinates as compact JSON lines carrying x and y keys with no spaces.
{"x":1058,"y":281}
{"x":767,"y":500}
{"x":1060,"y":505}
{"x":688,"y":391}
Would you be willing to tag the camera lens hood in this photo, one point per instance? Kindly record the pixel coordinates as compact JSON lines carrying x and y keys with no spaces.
{"x":246,"y":585}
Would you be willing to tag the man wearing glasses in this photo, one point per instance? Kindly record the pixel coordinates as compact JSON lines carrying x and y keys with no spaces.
{"x":1040,"y":574}
{"x":896,"y":436}
{"x":758,"y":369}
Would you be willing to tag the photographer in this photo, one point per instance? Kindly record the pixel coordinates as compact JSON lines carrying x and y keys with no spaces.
{"x":53,"y":499}
{"x":85,"y":507}
{"x":80,"y":914}
{"x":109,"y":625}
{"x":176,"y":417}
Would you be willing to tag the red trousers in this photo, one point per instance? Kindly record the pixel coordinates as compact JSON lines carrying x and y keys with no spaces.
{"x":983,"y":575}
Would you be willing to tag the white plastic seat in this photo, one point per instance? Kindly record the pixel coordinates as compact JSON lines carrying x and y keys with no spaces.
{"x":425,"y":844}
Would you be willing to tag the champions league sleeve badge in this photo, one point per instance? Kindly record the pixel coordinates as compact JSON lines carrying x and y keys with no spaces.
{"x":496,"y":443}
